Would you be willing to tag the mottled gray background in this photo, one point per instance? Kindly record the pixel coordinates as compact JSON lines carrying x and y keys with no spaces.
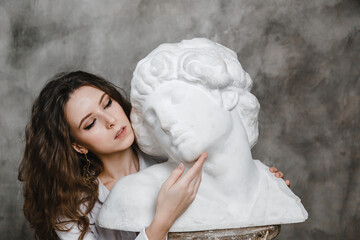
{"x":302,"y":55}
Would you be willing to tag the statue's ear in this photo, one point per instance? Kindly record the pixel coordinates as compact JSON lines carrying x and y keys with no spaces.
{"x":230,"y":99}
{"x":80,"y":149}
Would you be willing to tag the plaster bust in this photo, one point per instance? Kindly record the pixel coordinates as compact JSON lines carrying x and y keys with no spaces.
{"x":187,"y":98}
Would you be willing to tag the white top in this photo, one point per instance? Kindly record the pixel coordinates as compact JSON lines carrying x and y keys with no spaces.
{"x":98,"y":233}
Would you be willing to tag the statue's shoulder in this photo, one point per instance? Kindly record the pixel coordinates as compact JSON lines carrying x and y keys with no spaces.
{"x":283,"y":206}
{"x":273,"y":183}
{"x":141,"y":186}
{"x":132,"y":200}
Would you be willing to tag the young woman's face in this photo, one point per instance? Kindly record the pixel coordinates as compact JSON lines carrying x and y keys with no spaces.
{"x":97,"y":122}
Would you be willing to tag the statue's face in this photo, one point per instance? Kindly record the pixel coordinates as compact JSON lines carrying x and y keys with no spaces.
{"x":186,"y":119}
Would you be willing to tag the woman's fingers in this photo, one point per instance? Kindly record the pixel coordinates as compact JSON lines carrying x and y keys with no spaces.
{"x":191,"y":174}
{"x":192,"y":178}
{"x":199,"y":163}
{"x":273,"y":169}
{"x":195,"y":169}
{"x":287,"y":182}
{"x":177,"y":193}
{"x":197,"y":185}
{"x":279,"y":175}
{"x":194,"y":181}
{"x":174,"y":176}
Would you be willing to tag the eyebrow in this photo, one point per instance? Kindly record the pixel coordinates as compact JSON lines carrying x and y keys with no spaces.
{"x":88,"y":115}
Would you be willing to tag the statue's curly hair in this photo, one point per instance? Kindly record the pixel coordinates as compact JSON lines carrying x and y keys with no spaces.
{"x":198,"y":61}
{"x":55,"y":194}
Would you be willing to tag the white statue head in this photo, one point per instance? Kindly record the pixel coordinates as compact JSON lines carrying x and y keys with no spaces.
{"x":198,"y":73}
{"x":187,"y":98}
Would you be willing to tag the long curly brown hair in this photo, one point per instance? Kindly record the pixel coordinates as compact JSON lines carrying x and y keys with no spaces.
{"x":55,"y":192}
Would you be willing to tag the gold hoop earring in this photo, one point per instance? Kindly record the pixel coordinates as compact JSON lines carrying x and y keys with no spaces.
{"x":86,"y":171}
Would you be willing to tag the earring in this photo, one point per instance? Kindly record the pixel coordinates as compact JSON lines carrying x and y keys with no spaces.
{"x":86,"y":171}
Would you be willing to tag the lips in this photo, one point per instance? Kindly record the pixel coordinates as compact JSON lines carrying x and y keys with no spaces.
{"x":120,"y":133}
{"x":179,"y":138}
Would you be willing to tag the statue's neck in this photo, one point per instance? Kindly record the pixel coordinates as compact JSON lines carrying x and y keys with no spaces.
{"x":230,"y":164}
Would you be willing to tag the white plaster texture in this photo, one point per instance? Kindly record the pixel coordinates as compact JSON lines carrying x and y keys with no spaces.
{"x":191,"y":97}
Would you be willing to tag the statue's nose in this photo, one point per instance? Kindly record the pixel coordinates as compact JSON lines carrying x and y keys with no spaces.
{"x":166,"y":118}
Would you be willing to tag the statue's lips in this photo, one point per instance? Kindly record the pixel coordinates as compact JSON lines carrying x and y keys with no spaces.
{"x":179,"y":138}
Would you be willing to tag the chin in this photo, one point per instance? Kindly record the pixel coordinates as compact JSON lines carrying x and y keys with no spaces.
{"x":128,"y":142}
{"x":187,"y":153}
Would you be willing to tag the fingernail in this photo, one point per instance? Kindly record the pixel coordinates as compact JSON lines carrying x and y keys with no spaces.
{"x":181,"y":166}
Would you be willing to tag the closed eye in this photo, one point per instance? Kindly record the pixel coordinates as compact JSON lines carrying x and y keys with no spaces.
{"x":90,"y":125}
{"x":108,"y":104}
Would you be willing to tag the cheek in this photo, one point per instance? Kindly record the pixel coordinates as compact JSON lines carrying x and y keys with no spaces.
{"x":131,"y":135}
{"x":120,"y":112}
{"x":160,"y":136}
{"x":94,"y":138}
{"x":93,"y":143}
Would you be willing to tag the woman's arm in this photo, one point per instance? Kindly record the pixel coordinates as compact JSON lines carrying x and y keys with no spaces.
{"x":174,"y":198}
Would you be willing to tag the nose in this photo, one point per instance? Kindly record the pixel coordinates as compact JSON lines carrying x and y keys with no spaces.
{"x":110,"y":120}
{"x":165,"y":117}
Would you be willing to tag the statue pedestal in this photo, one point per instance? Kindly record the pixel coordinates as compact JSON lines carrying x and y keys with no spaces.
{"x":250,"y":233}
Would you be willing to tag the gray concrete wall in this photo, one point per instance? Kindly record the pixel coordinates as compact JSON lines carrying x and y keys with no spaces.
{"x":302,"y":55}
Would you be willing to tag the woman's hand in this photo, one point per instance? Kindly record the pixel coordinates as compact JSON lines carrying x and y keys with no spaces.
{"x":279,"y":174}
{"x":175,"y":196}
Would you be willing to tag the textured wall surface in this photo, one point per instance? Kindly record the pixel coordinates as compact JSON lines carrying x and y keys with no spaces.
{"x":302,"y":55}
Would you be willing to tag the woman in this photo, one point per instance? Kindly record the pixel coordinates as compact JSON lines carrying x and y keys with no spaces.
{"x":79,"y":142}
